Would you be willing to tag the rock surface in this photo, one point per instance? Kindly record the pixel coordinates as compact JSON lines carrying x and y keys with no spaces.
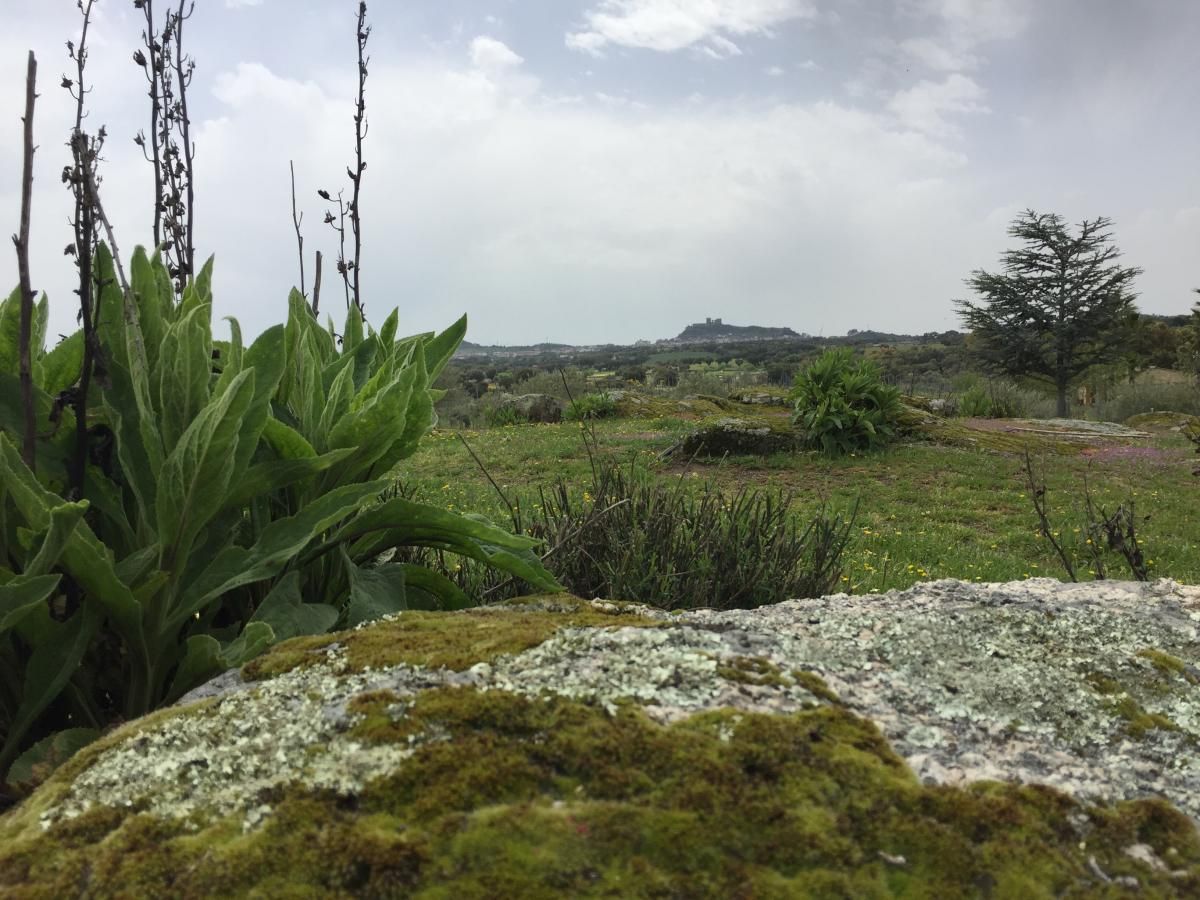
{"x":852,"y":746}
{"x":535,"y":407}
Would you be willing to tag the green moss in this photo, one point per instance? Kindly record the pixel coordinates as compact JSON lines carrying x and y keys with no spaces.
{"x":922,"y":425}
{"x":1162,"y":421}
{"x":750,"y":435}
{"x":453,"y":641}
{"x":551,"y":798}
{"x":1168,"y":665}
{"x":1138,"y":721}
{"x":815,"y":685}
{"x":1104,"y":684}
{"x":751,"y":670}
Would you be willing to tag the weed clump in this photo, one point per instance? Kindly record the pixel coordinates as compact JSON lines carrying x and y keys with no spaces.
{"x":591,"y":406}
{"x":661,"y":543}
{"x":843,"y":406}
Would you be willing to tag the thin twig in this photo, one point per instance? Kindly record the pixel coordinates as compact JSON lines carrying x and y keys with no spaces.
{"x":151,"y":67}
{"x":511,"y":509}
{"x":1038,"y":493}
{"x":84,"y":152}
{"x":185,"y":123}
{"x":360,"y":131}
{"x":21,"y":240}
{"x":296,"y":220}
{"x":317,"y":286}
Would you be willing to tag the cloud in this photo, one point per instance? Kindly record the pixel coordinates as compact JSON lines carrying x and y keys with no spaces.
{"x":958,"y":28}
{"x":239,"y":4}
{"x":490,"y":54}
{"x":571,"y":219}
{"x":671,"y":25}
{"x":925,"y":106}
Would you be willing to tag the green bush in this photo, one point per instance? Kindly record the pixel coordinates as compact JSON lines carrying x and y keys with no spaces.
{"x":632,"y":537}
{"x":843,"y":405}
{"x":504,"y":415}
{"x":591,"y":406}
{"x":232,"y":499}
{"x":992,"y":398}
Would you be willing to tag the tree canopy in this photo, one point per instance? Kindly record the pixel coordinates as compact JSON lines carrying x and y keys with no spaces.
{"x":1061,"y":305}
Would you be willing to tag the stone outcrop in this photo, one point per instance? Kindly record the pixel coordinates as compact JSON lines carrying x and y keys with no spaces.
{"x":740,"y":436}
{"x":535,"y":407}
{"x":1029,"y":739}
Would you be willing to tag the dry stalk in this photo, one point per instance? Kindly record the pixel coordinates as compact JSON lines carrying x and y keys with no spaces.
{"x":21,"y":240}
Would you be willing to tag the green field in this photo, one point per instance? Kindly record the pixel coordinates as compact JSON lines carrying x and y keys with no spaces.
{"x":924,"y":511}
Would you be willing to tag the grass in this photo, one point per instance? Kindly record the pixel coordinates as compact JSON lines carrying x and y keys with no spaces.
{"x":925,"y":512}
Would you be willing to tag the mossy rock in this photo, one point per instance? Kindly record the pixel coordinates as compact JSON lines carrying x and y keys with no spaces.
{"x":740,"y":436}
{"x":1164,"y":422}
{"x":762,"y":395}
{"x":919,"y":424}
{"x":554,"y":747}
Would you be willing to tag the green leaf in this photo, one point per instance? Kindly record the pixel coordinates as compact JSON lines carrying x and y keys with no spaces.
{"x":184,"y":375}
{"x":265,"y":359}
{"x":254,"y":639}
{"x":206,"y":657}
{"x":375,"y":591}
{"x":286,"y":441}
{"x":38,"y":763}
{"x":352,"y":335}
{"x":401,"y":522}
{"x":279,"y":544}
{"x":22,"y":595}
{"x":265,"y":478}
{"x":195,"y":477}
{"x":84,"y":558}
{"x":105,"y":496}
{"x":63,"y":520}
{"x":337,"y":404}
{"x":62,"y":366}
{"x":372,"y":427}
{"x":47,"y":672}
{"x":151,"y":303}
{"x":439,"y":350}
{"x":201,"y":661}
{"x":387,"y":334}
{"x":10,"y":333}
{"x":231,"y":363}
{"x":445,"y":594}
{"x":288,"y":615}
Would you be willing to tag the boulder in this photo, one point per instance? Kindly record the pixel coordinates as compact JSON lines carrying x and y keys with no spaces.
{"x":536,"y":407}
{"x":763,"y":395}
{"x":740,"y":436}
{"x":1031,"y":739}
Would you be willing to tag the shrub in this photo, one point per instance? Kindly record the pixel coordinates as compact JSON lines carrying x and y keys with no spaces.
{"x":632,"y":537}
{"x":843,"y":405}
{"x":500,"y":416}
{"x":591,"y":406}
{"x":232,"y":500}
{"x":993,"y":398}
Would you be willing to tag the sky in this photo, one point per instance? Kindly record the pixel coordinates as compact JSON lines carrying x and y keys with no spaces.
{"x":592,"y":171}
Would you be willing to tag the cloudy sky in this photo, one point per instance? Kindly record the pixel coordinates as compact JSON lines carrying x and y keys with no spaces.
{"x":610,"y":170}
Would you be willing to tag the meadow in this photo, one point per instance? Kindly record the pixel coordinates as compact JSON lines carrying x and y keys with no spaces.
{"x":924,"y":511}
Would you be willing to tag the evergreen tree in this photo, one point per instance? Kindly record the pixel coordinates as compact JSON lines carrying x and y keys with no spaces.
{"x":1061,"y":305}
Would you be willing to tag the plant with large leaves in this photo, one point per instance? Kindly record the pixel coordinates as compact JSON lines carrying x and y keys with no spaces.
{"x":232,"y":499}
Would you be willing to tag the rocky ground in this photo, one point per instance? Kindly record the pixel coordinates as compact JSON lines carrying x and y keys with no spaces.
{"x":854,"y":746}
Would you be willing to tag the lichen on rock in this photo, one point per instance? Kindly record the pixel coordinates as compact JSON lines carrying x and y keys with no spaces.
{"x":1030,"y":739}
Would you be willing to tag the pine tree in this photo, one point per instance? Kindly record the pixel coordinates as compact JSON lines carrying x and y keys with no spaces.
{"x":1061,"y":305}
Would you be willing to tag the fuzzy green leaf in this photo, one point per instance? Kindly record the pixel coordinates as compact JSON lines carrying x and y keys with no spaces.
{"x":278,"y":545}
{"x":288,"y":615}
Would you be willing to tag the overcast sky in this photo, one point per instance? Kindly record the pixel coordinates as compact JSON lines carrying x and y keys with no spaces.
{"x":610,"y":170}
